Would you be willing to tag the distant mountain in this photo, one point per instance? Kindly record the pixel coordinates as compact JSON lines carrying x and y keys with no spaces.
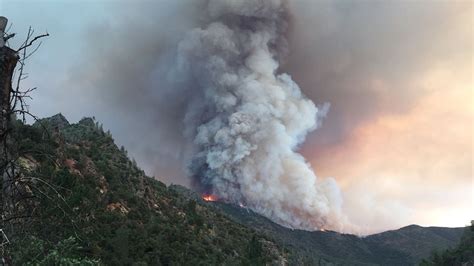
{"x":416,"y":241}
{"x":85,"y":203}
{"x":462,"y":254}
{"x":405,"y":246}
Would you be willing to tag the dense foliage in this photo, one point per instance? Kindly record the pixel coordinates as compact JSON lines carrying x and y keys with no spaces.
{"x":92,"y":205}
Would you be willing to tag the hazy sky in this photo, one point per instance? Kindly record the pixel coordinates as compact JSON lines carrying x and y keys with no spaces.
{"x":398,"y":74}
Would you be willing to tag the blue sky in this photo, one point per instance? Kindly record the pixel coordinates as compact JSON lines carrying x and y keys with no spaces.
{"x":66,"y":22}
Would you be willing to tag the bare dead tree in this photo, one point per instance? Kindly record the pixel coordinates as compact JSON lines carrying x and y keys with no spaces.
{"x":12,"y":103}
{"x":21,"y":192}
{"x":8,"y":61}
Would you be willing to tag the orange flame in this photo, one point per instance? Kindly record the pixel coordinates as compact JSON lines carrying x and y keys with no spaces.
{"x":209,"y":197}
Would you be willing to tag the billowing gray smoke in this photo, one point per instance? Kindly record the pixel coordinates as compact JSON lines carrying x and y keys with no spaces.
{"x":246,"y":120}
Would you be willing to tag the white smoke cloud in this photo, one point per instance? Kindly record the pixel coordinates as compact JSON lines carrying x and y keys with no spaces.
{"x":246,"y":120}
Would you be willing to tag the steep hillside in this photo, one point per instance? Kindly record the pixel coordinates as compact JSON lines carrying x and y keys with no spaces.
{"x":405,"y":246}
{"x":87,"y":202}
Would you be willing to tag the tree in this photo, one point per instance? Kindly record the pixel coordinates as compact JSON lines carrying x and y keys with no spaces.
{"x":255,"y":252}
{"x":12,"y":102}
{"x":8,"y":62}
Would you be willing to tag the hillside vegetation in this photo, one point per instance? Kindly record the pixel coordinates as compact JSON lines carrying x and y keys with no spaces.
{"x":405,"y":246}
{"x":89,"y":203}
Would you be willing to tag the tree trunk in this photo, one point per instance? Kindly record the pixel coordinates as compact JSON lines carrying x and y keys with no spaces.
{"x":8,"y":61}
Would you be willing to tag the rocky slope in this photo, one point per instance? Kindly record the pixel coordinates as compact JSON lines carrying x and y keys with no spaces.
{"x":88,"y":203}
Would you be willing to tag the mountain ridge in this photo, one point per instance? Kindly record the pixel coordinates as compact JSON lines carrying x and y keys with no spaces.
{"x":315,"y":245}
{"x":364,"y":250}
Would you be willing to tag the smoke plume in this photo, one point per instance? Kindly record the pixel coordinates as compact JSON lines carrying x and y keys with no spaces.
{"x":245,"y":119}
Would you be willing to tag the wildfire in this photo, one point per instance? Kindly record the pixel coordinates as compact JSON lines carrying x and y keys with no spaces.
{"x":209,"y":197}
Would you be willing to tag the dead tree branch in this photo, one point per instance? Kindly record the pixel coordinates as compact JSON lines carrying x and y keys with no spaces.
{"x":29,"y":42}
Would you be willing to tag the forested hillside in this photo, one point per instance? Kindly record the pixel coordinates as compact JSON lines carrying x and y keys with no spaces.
{"x":405,"y":246}
{"x":86,"y":201}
